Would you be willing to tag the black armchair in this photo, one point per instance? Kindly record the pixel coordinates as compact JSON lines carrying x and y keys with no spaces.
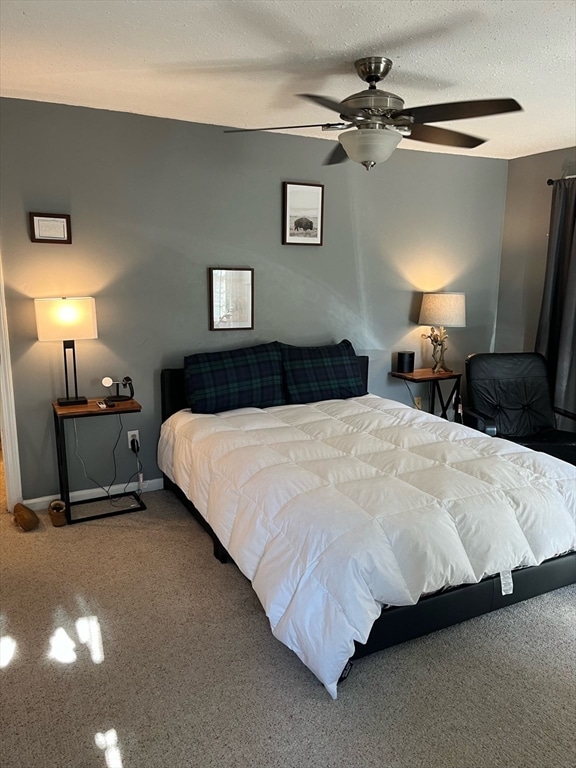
{"x":509,"y":397}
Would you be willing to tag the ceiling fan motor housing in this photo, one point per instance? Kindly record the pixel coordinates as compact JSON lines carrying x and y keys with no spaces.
{"x":371,"y":103}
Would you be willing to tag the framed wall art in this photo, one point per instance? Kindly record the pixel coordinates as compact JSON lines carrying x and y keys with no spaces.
{"x":231,"y":291}
{"x":50,"y":228}
{"x":303,"y":214}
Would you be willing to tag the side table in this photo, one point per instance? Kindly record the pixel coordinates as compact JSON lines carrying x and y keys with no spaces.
{"x":427,"y":375}
{"x":91,"y":409}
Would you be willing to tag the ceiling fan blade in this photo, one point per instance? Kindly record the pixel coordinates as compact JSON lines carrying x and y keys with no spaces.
{"x":324,"y":101}
{"x":324,"y":126}
{"x":338,"y":155}
{"x":459,"y":110}
{"x":435,"y":135}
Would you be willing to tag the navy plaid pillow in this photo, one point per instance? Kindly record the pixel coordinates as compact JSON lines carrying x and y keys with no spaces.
{"x":321,"y":373}
{"x":239,"y":378}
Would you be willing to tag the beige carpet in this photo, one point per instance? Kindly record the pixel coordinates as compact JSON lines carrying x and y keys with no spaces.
{"x":192,"y":677}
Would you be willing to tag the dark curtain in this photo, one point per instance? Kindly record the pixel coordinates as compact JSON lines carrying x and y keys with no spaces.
{"x":556,"y":336}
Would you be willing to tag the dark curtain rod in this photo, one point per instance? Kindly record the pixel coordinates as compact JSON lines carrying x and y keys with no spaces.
{"x":551,"y":181}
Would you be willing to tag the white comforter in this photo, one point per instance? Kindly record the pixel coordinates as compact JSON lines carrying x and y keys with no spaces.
{"x":335,"y":508}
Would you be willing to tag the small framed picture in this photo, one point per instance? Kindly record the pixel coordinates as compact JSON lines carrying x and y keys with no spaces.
{"x":231,"y":292}
{"x":50,"y":228}
{"x":303,"y":214}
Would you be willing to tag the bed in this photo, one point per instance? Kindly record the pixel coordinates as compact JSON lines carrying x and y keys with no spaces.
{"x":360,"y":522}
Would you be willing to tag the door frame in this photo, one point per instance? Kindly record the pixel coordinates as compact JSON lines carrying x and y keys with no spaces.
{"x":8,"y":410}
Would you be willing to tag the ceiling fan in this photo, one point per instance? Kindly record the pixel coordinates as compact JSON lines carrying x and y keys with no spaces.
{"x":382,"y":121}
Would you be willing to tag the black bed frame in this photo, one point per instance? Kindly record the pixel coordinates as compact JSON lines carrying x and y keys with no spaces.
{"x":400,"y":623}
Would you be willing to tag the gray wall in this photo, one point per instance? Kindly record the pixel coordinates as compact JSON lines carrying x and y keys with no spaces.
{"x":155,"y":202}
{"x":525,"y":244}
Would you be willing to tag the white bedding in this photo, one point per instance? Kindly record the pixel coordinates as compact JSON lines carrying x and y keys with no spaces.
{"x":335,"y":508}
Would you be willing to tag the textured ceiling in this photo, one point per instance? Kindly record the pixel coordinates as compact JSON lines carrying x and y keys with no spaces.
{"x":240,"y":63}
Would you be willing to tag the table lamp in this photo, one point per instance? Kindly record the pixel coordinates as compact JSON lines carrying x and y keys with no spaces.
{"x":439,"y":310}
{"x":67,"y":320}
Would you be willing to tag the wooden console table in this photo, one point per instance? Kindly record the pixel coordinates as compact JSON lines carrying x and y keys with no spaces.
{"x":90,"y":409}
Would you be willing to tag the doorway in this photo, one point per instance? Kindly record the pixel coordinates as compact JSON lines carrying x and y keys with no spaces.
{"x":10,"y":480}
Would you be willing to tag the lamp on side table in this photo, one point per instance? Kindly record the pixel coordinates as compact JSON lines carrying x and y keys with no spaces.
{"x":67,"y":320}
{"x":439,"y":310}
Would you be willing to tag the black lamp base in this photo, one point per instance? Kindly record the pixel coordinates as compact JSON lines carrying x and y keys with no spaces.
{"x":80,"y":400}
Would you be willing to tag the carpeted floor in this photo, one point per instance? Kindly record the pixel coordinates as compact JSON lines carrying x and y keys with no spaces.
{"x":191,"y":676}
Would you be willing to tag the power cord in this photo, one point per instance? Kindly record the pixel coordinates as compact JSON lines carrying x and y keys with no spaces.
{"x":410,"y":393}
{"x":135,"y":448}
{"x":111,"y":501}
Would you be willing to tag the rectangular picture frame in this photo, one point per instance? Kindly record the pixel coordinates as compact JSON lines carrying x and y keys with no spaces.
{"x":302,"y":213}
{"x":231,"y":292}
{"x":50,"y":228}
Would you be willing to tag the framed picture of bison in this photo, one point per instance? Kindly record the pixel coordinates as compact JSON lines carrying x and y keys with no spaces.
{"x":303,"y":214}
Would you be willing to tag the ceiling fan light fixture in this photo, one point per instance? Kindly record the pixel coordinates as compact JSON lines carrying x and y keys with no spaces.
{"x":370,"y":146}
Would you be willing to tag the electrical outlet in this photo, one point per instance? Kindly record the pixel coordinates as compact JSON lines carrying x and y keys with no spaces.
{"x":418,"y":403}
{"x":133,"y":434}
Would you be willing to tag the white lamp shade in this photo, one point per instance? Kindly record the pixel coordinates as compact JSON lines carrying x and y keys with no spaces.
{"x":446,"y":309}
{"x":65,"y":319}
{"x":369,"y":145}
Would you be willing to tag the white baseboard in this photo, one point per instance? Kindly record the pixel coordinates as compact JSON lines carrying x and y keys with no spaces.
{"x":42,"y":502}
